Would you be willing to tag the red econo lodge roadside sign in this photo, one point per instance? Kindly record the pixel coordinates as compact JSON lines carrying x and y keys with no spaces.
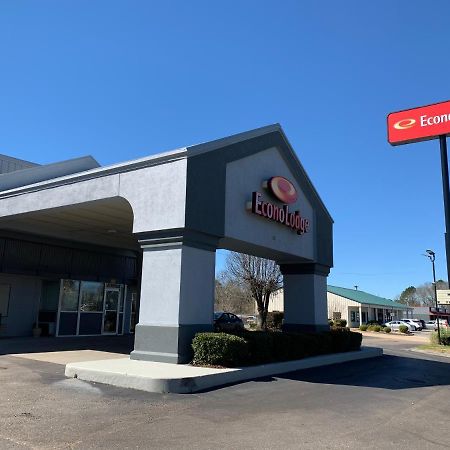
{"x":419,"y":124}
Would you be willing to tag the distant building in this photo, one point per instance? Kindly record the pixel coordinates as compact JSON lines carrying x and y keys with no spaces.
{"x":429,"y":313}
{"x":358,"y":307}
{"x":355,"y":306}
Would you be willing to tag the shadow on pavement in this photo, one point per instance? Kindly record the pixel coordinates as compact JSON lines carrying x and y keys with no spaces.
{"x":385,"y":372}
{"x":112,"y":344}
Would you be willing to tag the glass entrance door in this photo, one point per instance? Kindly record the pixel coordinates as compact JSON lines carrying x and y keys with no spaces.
{"x":111,"y":310}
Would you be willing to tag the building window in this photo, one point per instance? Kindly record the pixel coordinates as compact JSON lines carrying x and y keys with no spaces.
{"x":352,"y":316}
{"x":69,"y":297}
{"x":4,"y":299}
{"x":91,"y":296}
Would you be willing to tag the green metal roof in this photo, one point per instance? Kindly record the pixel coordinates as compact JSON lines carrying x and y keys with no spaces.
{"x":364,"y":297}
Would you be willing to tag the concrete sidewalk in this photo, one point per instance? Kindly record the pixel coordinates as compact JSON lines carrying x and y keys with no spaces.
{"x":182,"y":379}
{"x":69,"y":356}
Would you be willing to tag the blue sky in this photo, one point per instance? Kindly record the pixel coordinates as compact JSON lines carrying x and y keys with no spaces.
{"x":125,"y":79}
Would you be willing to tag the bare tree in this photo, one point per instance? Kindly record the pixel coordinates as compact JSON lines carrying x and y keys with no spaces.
{"x":425,"y":292}
{"x":423,"y":295}
{"x":261,"y":276}
{"x":233,"y":296}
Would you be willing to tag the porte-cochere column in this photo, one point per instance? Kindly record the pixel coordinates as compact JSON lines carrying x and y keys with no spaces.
{"x":177,"y":298}
{"x":305,"y":297}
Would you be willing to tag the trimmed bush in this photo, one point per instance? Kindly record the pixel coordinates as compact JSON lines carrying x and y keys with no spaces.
{"x":261,"y":347}
{"x":377,"y":328}
{"x":275,"y":319}
{"x":284,"y":347}
{"x":339,"y":328}
{"x":403,"y":329}
{"x":445,"y":337}
{"x":220,"y":349}
{"x":363,"y":327}
{"x":340,"y":323}
{"x":387,"y":329}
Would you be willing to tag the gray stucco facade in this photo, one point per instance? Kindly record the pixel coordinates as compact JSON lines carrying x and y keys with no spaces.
{"x":165,"y":216}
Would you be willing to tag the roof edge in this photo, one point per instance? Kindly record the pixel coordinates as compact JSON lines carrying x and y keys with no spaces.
{"x":205,"y":147}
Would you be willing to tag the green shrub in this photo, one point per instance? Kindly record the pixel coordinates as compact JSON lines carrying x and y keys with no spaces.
{"x":377,"y":328}
{"x":330,"y":322}
{"x":339,"y":328}
{"x":220,"y":349}
{"x":340,"y":341}
{"x":387,"y":329}
{"x":363,"y":327}
{"x":340,"y":323}
{"x":284,"y":347}
{"x":445,"y":337}
{"x":275,"y":319}
{"x":403,"y":329}
{"x":355,"y":341}
{"x":260,"y":347}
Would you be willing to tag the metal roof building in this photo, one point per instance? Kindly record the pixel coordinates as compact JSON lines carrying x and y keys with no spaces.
{"x":358,"y":307}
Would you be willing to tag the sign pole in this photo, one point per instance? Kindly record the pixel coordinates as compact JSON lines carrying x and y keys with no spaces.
{"x":446,"y":189}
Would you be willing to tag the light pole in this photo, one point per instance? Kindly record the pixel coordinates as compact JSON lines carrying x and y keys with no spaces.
{"x":430,"y":254}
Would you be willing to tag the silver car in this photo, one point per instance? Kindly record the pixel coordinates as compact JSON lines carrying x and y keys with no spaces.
{"x":415,"y":323}
{"x":395,"y":325}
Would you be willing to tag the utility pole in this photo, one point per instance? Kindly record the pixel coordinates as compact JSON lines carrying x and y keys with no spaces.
{"x":430,"y":254}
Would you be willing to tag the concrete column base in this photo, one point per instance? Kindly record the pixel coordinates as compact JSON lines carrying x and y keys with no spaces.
{"x":171,"y":344}
{"x":305,"y":297}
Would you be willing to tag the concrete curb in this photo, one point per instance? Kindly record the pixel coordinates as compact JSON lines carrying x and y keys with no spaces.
{"x":183,"y":379}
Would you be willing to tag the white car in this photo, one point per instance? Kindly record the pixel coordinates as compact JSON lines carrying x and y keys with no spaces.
{"x":415,"y":323}
{"x":443,"y":323}
{"x":395,"y":325}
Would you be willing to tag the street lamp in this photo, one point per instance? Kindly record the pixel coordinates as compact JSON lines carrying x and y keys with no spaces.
{"x":432,"y":256}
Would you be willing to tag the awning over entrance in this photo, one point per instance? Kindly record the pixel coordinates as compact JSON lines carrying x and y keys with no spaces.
{"x":247,"y":192}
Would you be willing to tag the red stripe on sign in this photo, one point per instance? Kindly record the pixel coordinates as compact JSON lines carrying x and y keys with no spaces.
{"x":419,"y":124}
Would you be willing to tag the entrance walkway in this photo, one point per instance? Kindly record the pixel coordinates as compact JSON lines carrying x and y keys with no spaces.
{"x":67,"y":349}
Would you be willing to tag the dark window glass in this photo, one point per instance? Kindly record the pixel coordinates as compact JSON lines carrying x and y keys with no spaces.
{"x":91,"y":296}
{"x":69,"y":297}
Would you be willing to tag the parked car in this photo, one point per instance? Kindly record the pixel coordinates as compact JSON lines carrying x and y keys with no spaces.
{"x":395,"y":325}
{"x":225,"y":321}
{"x":414,"y":323}
{"x":443,"y":323}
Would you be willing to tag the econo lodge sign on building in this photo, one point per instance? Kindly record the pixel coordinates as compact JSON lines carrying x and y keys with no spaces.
{"x":419,"y":124}
{"x":284,"y":191}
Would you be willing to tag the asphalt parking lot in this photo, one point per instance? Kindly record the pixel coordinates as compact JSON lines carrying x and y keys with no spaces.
{"x":400,"y":400}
